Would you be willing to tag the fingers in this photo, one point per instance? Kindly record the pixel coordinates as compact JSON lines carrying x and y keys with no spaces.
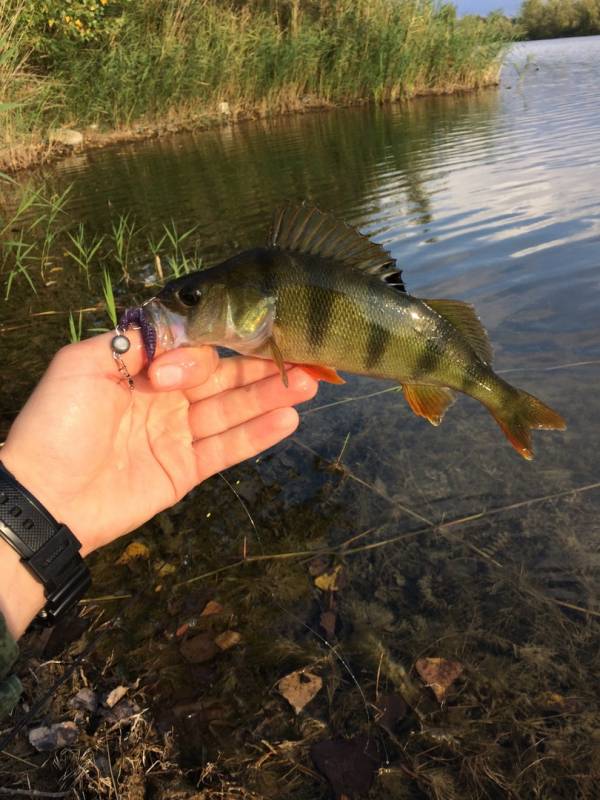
{"x":235,"y":406}
{"x":231,"y":373}
{"x":216,"y":453}
{"x":184,"y":368}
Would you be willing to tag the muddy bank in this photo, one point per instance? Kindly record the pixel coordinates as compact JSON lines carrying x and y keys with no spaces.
{"x":23,"y":156}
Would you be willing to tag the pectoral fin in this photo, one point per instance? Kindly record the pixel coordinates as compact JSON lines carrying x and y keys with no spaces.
{"x":430,"y":402}
{"x":278,"y":359}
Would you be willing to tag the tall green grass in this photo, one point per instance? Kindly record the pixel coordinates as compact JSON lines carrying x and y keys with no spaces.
{"x":45,"y":254}
{"x":181,"y":60}
{"x":26,"y":96}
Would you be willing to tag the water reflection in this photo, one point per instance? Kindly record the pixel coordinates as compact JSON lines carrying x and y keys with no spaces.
{"x":492,"y":198}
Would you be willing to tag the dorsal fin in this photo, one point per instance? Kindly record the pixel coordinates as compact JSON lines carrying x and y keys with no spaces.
{"x":463,"y":317}
{"x":303,"y":229}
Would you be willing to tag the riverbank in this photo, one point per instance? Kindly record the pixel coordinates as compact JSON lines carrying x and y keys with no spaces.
{"x":23,"y":156}
{"x":124,"y":71}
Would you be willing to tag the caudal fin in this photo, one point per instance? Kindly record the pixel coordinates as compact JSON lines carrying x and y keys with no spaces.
{"x":520,"y":415}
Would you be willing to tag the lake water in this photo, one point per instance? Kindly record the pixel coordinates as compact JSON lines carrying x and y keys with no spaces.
{"x":492,"y":198}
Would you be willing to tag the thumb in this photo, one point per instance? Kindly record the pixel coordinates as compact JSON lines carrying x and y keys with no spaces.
{"x":94,"y":357}
{"x":183,"y":368}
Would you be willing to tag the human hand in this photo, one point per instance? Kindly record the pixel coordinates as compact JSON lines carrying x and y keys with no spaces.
{"x":104,"y":459}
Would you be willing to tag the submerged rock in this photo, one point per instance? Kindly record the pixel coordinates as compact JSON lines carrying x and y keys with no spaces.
{"x":199,"y":649}
{"x":85,"y":699}
{"x":51,"y":737}
{"x":348,"y":764}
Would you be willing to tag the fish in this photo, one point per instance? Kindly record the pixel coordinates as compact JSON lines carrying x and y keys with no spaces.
{"x":322,"y":295}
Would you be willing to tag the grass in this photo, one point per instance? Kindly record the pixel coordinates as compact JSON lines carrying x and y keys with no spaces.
{"x":75,"y":331}
{"x":123,"y":235}
{"x":179,"y":262}
{"x":181,"y":62}
{"x":109,"y":297}
{"x":38,"y":239}
{"x":26,"y":96}
{"x":83,"y":253}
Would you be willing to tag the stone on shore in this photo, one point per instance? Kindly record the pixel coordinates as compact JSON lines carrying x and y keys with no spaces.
{"x":66,"y":136}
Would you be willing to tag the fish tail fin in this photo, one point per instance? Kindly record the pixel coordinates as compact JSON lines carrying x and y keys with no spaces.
{"x":522,"y":414}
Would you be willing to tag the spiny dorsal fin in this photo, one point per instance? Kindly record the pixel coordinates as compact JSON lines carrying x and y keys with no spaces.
{"x":464,"y":319}
{"x":307,"y":230}
{"x":430,"y":402}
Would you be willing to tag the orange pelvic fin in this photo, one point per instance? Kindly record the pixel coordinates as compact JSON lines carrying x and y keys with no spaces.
{"x":322,"y":373}
{"x":430,"y":402}
{"x":524,"y":415}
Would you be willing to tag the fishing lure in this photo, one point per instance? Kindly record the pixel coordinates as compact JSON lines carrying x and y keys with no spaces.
{"x":120,"y":344}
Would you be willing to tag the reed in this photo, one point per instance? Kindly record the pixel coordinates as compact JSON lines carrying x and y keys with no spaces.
{"x":109,"y":297}
{"x":28,"y":98}
{"x":84,"y":252}
{"x":180,"y":262}
{"x":75,"y":330}
{"x":43,"y":250}
{"x":549,"y":19}
{"x":177,"y":61}
{"x":123,"y":235}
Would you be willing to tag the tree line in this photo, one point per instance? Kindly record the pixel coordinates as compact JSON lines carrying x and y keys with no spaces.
{"x":549,"y":19}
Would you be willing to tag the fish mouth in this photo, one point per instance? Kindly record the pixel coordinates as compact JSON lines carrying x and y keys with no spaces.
{"x":170,"y":327}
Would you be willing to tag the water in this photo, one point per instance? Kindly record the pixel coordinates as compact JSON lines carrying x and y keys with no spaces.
{"x":490,"y":198}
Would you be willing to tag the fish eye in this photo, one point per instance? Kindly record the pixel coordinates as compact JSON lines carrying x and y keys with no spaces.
{"x":189,"y":296}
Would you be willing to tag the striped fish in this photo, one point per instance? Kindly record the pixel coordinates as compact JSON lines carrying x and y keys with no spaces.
{"x":324,"y":296}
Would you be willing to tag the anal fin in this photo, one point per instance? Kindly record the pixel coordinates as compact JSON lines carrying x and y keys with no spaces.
{"x":430,"y":402}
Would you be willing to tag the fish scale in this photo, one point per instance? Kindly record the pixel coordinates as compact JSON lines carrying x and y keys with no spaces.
{"x":326,"y":297}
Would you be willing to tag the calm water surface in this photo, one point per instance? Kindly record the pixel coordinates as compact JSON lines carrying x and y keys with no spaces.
{"x":492,"y":198}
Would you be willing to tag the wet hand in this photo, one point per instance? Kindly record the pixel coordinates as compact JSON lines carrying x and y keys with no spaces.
{"x":103,"y":459}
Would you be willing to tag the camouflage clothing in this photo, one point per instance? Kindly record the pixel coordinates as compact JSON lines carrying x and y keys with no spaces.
{"x":10,"y":686}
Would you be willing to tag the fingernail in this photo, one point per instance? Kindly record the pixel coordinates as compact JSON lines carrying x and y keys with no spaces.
{"x":169,"y":375}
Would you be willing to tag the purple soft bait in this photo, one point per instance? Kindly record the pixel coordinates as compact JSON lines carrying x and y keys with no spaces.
{"x":135,"y":317}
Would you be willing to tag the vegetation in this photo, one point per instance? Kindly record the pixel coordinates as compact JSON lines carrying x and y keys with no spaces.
{"x":151,"y":63}
{"x":39,"y":241}
{"x":550,"y":19}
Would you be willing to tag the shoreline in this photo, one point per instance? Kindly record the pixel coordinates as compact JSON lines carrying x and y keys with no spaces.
{"x":25,"y":157}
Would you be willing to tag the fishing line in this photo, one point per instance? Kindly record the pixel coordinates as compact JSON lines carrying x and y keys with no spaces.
{"x":315,"y":633}
{"x":244,"y":506}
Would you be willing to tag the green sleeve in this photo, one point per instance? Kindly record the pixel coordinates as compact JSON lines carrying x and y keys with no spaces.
{"x":10,"y":686}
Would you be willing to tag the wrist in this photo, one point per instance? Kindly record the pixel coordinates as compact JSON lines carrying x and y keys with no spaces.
{"x":21,"y":595}
{"x":46,"y":549}
{"x":37,"y":486}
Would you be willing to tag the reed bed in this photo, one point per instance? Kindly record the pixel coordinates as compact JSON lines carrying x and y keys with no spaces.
{"x":550,"y":19}
{"x":173,"y":62}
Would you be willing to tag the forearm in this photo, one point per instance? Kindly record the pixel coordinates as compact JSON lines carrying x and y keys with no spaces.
{"x":21,"y":595}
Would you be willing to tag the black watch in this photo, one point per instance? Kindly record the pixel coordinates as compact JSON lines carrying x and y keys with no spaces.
{"x":49,"y":550}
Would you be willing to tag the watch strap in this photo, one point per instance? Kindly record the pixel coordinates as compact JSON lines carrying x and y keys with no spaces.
{"x":47,"y":548}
